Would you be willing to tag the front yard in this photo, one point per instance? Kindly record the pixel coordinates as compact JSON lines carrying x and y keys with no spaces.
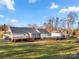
{"x":45,"y":49}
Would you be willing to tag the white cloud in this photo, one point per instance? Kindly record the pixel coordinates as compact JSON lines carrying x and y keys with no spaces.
{"x":69,"y":9}
{"x":11,"y":22}
{"x":14,"y":21}
{"x":8,"y":4}
{"x":54,"y":5}
{"x":32,"y":1}
{"x":44,"y":17}
{"x":1,"y":16}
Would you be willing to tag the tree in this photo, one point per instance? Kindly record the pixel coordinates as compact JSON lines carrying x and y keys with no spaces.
{"x":45,"y":25}
{"x":49,"y":25}
{"x":56,"y":23}
{"x":5,"y":27}
{"x":63,"y":23}
{"x":71,"y":17}
{"x":78,"y":25}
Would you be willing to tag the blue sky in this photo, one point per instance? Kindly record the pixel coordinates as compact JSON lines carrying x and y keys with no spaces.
{"x":23,"y":12}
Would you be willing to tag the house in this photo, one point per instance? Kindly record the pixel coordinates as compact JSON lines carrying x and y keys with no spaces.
{"x":29,"y":34}
{"x":43,"y":33}
{"x":25,"y":33}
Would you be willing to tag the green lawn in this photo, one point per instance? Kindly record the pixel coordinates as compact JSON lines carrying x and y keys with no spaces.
{"x":46,"y":49}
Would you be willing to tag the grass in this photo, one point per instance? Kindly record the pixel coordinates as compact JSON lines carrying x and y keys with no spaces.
{"x":45,"y":49}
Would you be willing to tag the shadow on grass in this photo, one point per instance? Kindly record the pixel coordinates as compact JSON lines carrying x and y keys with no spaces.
{"x":37,"y":51}
{"x":34,"y":52}
{"x":68,"y":56}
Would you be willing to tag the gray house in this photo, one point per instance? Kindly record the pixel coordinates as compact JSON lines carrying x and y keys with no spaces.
{"x":25,"y":33}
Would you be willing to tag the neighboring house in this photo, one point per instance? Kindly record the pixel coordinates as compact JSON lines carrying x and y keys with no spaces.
{"x":56,"y":35}
{"x":15,"y":33}
{"x":59,"y":35}
{"x":44,"y":33}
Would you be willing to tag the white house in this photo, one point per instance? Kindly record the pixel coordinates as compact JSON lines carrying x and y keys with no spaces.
{"x":15,"y":33}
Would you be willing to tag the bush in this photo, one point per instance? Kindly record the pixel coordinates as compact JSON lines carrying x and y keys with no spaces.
{"x":77,"y":41}
{"x":1,"y":36}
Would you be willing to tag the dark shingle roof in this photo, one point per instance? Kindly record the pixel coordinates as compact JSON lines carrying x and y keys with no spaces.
{"x":43,"y":31}
{"x":22,"y":30}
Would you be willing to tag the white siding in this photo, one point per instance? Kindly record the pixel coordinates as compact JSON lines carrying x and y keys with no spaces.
{"x":56,"y":34}
{"x":45,"y":36}
{"x":20,"y":36}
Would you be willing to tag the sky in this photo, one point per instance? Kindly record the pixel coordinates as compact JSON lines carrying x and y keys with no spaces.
{"x":24,"y":12}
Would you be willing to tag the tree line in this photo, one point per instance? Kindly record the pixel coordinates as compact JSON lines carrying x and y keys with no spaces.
{"x":70,"y":22}
{"x":55,"y":23}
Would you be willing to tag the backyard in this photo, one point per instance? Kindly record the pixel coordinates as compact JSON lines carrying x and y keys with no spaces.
{"x":43,"y":49}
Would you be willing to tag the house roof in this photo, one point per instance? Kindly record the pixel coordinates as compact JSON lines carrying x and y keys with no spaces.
{"x":43,"y":31}
{"x":22,"y":30}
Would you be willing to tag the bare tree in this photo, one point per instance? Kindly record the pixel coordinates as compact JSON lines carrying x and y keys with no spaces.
{"x":45,"y":25}
{"x":78,"y":25}
{"x":71,"y":17}
{"x":63,"y":23}
{"x":49,"y":25}
{"x":56,"y":23}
